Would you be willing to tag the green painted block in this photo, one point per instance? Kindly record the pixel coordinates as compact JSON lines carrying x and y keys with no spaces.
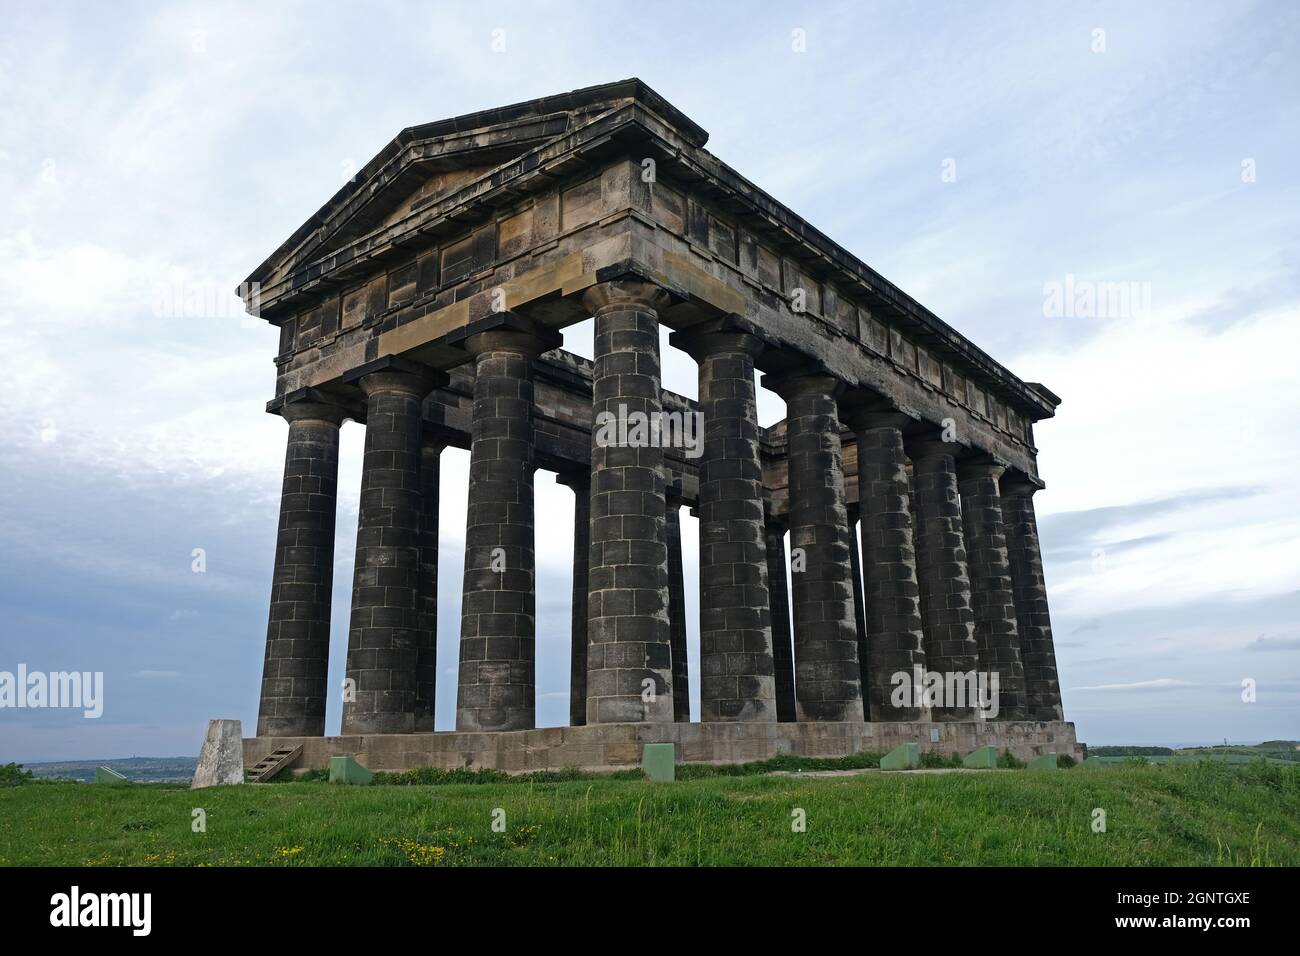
{"x":1045,"y":762}
{"x":902,"y":757}
{"x":982,"y":758}
{"x":1094,"y":762}
{"x":347,"y":770}
{"x":658,"y":762}
{"x":108,"y":775}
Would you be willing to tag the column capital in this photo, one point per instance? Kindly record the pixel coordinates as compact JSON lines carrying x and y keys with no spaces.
{"x":811,"y":377}
{"x":980,"y":466}
{"x":862,"y":420}
{"x":577,"y":479}
{"x":310,"y":404}
{"x":931,"y":445}
{"x":626,"y":294}
{"x":506,"y":332}
{"x":862,"y":411}
{"x":1016,"y":482}
{"x":728,"y":333}
{"x":394,"y":374}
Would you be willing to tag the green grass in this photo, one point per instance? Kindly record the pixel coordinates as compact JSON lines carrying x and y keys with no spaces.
{"x":1195,"y":814}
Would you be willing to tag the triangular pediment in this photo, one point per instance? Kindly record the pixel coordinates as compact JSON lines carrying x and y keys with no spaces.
{"x":424,"y":164}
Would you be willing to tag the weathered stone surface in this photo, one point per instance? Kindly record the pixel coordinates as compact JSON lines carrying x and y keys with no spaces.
{"x":779,"y":597}
{"x":859,"y":606}
{"x":677,"y":612}
{"x":405,"y":267}
{"x":941,"y":565}
{"x":615,"y":746}
{"x":992,"y":599}
{"x":295,"y":669}
{"x":580,"y":482}
{"x":629,"y":654}
{"x":737,"y":675}
{"x":891,"y":592}
{"x":1034,"y":623}
{"x":827,"y":678}
{"x":221,"y":760}
{"x":426,"y":652}
{"x":497,"y":688}
{"x":383,"y":635}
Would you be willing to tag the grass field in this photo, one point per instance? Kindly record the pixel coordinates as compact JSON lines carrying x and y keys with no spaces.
{"x":1197,"y":814}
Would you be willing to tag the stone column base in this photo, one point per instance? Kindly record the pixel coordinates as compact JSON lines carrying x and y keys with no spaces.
{"x":618,"y":746}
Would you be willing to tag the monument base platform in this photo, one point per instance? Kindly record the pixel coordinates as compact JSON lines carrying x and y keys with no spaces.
{"x":618,"y":746}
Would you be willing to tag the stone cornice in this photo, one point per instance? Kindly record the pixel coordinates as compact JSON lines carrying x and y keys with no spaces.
{"x":627,"y":129}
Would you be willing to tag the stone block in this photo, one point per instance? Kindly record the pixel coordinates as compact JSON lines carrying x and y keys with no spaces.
{"x":1046,"y":762}
{"x":221,"y":761}
{"x":983,"y":758}
{"x":903,"y":757}
{"x":347,"y":770}
{"x":657,"y":761}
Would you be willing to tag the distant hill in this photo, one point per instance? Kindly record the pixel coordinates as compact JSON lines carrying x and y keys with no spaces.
{"x":1274,"y":751}
{"x":136,"y":769}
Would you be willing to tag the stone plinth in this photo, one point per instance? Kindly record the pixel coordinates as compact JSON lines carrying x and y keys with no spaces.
{"x":620,"y":746}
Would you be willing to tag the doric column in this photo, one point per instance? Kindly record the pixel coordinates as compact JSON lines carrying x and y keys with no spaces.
{"x":1034,"y":625}
{"x":950,"y":647}
{"x":859,"y":607}
{"x":383,"y":634}
{"x":580,"y":482}
{"x":779,"y":603}
{"x":629,"y":655}
{"x":295,"y":669}
{"x":677,"y":612}
{"x":827,"y":678}
{"x":497,"y":682}
{"x":426,"y":654}
{"x":992,"y":598}
{"x":737,"y":677}
{"x":890,"y":588}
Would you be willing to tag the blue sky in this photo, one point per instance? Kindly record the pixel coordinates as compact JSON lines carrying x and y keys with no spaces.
{"x":973,"y":154}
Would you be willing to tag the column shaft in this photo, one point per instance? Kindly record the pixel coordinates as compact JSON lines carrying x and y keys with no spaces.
{"x":581,"y":485}
{"x":737,"y":675}
{"x":950,"y":648}
{"x":890,"y":588}
{"x":992,"y":596}
{"x":497,"y":689}
{"x":629,"y":662}
{"x":677,"y":615}
{"x":859,"y":611}
{"x":383,"y":634}
{"x":827,"y":678}
{"x":426,"y":654}
{"x":1034,"y":624}
{"x":294,"y":671}
{"x":779,"y":598}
